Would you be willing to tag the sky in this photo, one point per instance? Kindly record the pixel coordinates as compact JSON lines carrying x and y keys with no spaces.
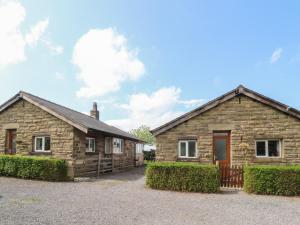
{"x":147,"y":62}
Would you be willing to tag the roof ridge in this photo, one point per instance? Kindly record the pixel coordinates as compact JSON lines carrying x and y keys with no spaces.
{"x":239,"y":90}
{"x":72,"y":110}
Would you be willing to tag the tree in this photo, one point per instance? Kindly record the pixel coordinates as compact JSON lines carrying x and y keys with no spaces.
{"x":143,"y":133}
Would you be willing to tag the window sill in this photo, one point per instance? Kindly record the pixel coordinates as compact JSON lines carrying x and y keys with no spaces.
{"x":188,"y":159}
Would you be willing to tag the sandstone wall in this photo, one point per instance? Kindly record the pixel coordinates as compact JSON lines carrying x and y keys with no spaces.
{"x":30,"y":121}
{"x":247,"y":120}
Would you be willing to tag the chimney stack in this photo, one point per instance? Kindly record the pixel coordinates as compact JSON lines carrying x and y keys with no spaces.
{"x":94,"y":112}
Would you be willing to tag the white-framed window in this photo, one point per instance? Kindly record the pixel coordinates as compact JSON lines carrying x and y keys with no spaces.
{"x":90,"y":144}
{"x":42,"y":144}
{"x":139,"y":148}
{"x":107,"y":147}
{"x":118,"y":145}
{"x":268,"y":148}
{"x":187,"y":149}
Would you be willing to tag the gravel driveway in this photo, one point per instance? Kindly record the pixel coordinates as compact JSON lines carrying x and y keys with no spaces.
{"x":123,"y":199}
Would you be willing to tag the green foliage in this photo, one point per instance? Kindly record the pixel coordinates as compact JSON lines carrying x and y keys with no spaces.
{"x":149,"y":155}
{"x":143,"y":133}
{"x":272,"y":180}
{"x":177,"y":176}
{"x":31,"y":167}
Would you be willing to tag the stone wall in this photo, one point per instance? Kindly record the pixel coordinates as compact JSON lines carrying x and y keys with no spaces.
{"x":126,"y":159}
{"x":247,"y":120}
{"x":139,"y":159}
{"x":67,"y":142}
{"x":30,"y":121}
{"x":86,"y":164}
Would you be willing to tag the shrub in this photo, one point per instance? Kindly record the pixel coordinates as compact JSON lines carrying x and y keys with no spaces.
{"x":31,"y":167}
{"x":149,"y":155}
{"x":178,"y":176}
{"x":272,"y":180}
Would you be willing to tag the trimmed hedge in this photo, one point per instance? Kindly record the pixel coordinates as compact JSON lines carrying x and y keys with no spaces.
{"x":272,"y":180}
{"x":33,"y":167}
{"x":190,"y":177}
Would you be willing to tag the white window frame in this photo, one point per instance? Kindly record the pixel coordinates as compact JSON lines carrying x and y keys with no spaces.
{"x":89,"y":149}
{"x":139,"y":148}
{"x":267,"y":148}
{"x":187,"y":151}
{"x":118,"y":150}
{"x":109,"y":143}
{"x":43,"y":143}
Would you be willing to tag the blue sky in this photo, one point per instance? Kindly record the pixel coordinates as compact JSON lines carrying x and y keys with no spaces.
{"x":146,"y":62}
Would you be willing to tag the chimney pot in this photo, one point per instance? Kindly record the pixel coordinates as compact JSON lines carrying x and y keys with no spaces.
{"x":95,"y":112}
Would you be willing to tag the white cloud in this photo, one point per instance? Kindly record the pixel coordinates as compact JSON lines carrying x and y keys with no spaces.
{"x":105,"y":61}
{"x":13,"y":41}
{"x":36,"y":32}
{"x":54,"y":49}
{"x":154,"y":109}
{"x":276,"y":55}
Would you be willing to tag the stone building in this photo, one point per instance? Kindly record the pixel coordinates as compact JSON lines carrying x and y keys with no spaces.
{"x":30,"y":125}
{"x":237,"y":127}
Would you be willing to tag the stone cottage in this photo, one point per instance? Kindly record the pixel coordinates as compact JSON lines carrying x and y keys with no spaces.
{"x":30,"y":125}
{"x":237,"y":127}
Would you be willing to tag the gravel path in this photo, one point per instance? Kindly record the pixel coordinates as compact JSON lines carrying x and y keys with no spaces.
{"x":123,"y":199}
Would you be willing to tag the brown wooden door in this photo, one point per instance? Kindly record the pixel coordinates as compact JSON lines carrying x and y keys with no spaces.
{"x":11,"y":147}
{"x":221,"y":147}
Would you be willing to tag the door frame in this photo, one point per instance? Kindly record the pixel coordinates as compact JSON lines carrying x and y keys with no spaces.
{"x":9,"y":138}
{"x":227,"y":136}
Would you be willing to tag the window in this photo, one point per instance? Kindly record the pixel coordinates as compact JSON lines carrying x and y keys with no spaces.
{"x":90,"y":145}
{"x":139,"y":148}
{"x":118,"y":145}
{"x":107,"y":145}
{"x":268,"y":148}
{"x":187,"y":149}
{"x":42,"y":144}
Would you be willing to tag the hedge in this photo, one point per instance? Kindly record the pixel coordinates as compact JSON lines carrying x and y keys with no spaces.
{"x":190,"y":177}
{"x":33,"y":167}
{"x":272,"y":180}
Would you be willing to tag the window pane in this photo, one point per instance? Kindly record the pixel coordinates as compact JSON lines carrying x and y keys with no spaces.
{"x":39,"y":144}
{"x":220,"y":148}
{"x":92,"y":144}
{"x":192,"y":148}
{"x":273,"y":147}
{"x":117,"y":145}
{"x":261,"y":148}
{"x":87,"y":144}
{"x":121,"y":145}
{"x":182,"y":149}
{"x":47,"y":143}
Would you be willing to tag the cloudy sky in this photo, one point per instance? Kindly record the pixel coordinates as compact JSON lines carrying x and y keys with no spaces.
{"x":146,"y":62}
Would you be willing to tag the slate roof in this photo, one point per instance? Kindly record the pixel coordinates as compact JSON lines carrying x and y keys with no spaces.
{"x":76,"y":119}
{"x":240,"y":90}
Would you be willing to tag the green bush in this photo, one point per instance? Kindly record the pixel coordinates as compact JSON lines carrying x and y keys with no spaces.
{"x":272,"y":180}
{"x":31,"y":167}
{"x":149,"y":155}
{"x":178,"y":176}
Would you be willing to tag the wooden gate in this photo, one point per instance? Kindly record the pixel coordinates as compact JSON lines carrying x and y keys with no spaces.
{"x":231,"y":176}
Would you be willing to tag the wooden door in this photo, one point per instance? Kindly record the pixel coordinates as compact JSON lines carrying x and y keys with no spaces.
{"x":11,"y":147}
{"x":221,"y":148}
